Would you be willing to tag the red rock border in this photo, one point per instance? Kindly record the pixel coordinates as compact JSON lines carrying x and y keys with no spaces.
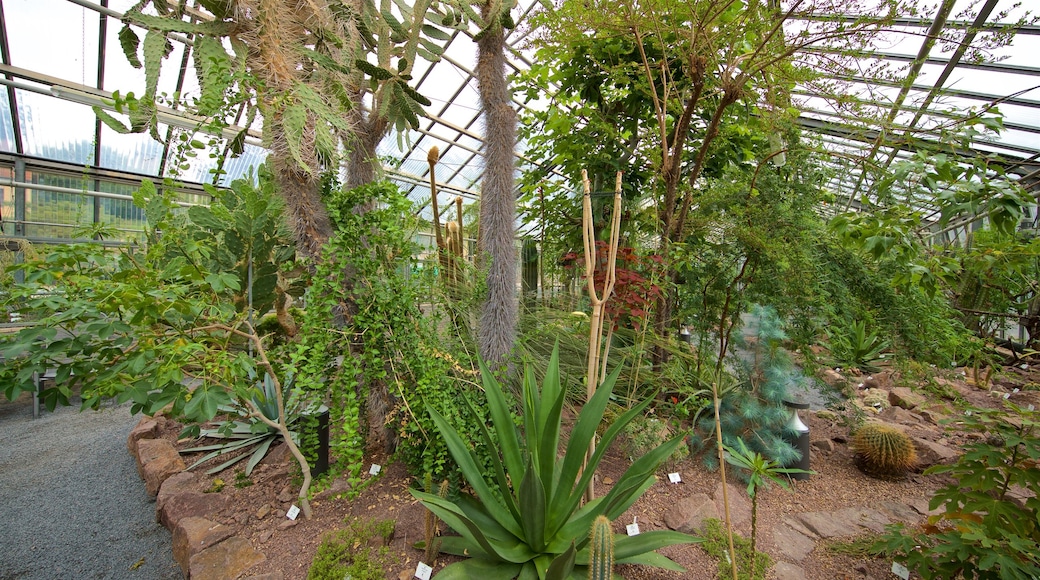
{"x":205,"y":550}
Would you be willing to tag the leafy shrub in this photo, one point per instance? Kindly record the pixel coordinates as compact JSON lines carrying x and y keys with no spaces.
{"x":857,"y":347}
{"x":884,"y":450}
{"x":537,"y":520}
{"x":982,"y":531}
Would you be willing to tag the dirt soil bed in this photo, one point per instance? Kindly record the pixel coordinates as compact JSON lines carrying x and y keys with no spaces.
{"x":257,"y":511}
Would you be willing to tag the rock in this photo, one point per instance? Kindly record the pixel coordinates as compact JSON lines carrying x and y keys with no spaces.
{"x":405,"y":575}
{"x":787,"y":571}
{"x":286,"y":495}
{"x":899,"y":511}
{"x":823,"y":524}
{"x":833,"y":378}
{"x":157,"y":460}
{"x":905,"y":398}
{"x":188,"y":504}
{"x":278,"y":455}
{"x":854,"y":518}
{"x":901,"y":416}
{"x":146,"y":428}
{"x":825,"y":445}
{"x":224,"y":561}
{"x":263,"y":511}
{"x":933,"y":416}
{"x":193,"y":535}
{"x":739,"y":504}
{"x":175,"y":484}
{"x":930,"y":453}
{"x":287,"y":524}
{"x":265,"y":535}
{"x":688,"y":515}
{"x":792,"y":544}
{"x":276,"y":575}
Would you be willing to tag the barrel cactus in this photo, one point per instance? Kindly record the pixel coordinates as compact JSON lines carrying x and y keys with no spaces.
{"x":884,"y":450}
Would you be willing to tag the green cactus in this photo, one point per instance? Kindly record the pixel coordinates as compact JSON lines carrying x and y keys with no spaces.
{"x":431,"y":529}
{"x":884,"y":450}
{"x":601,"y":550}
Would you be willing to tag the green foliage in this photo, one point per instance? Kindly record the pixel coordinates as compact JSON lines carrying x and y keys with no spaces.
{"x":884,"y":450}
{"x":982,"y":531}
{"x":360,"y":552}
{"x":857,"y":348}
{"x":402,"y":354}
{"x":537,"y":521}
{"x":601,"y":550}
{"x":644,"y":433}
{"x":716,"y":544}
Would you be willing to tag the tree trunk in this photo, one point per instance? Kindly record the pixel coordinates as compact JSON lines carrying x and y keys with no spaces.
{"x":496,"y":246}
{"x":302,"y":193}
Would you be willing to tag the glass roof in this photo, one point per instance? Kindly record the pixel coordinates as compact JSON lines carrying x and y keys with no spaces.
{"x":59,"y":57}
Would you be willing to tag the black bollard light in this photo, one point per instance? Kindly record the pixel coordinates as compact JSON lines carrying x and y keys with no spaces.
{"x":798,"y":435}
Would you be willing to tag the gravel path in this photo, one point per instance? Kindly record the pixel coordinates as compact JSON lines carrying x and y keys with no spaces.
{"x":71,"y":502}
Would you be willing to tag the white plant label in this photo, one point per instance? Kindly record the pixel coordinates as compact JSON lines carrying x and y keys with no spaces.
{"x":1032,"y":408}
{"x":1007,"y":396}
{"x":293,"y":512}
{"x":1014,"y":390}
{"x":375,"y":469}
{"x":900,"y":570}
{"x":633,"y":528}
{"x":423,"y":571}
{"x":674,"y":477}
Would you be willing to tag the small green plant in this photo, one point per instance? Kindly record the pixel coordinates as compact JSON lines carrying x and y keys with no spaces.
{"x":359,"y":552}
{"x":601,"y":550}
{"x":536,"y":523}
{"x":857,"y":348}
{"x":759,"y":471}
{"x":884,"y":450}
{"x":981,"y":531}
{"x":716,"y":544}
{"x":242,"y":480}
{"x":216,"y":487}
{"x":646,"y":433}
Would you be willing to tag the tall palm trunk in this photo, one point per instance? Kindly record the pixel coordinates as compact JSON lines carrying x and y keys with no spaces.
{"x":496,"y":243}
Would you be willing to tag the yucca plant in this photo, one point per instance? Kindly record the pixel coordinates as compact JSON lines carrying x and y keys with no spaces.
{"x":534,"y":525}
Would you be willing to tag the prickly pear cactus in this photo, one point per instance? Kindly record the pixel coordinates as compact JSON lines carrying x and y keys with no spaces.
{"x":883,"y":450}
{"x":601,"y":550}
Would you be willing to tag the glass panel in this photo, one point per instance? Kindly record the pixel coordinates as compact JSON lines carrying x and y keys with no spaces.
{"x":136,"y":152}
{"x":238,"y":167}
{"x":53,"y":214}
{"x":7,"y":203}
{"x":65,"y":46}
{"x":7,"y":138}
{"x":121,"y":214}
{"x":56,"y":129}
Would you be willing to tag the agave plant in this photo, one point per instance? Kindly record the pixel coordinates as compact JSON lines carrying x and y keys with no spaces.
{"x":245,"y":434}
{"x":534,"y":526}
{"x":858,"y":348}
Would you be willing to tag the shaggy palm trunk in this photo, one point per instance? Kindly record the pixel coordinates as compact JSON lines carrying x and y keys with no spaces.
{"x":496,"y":247}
